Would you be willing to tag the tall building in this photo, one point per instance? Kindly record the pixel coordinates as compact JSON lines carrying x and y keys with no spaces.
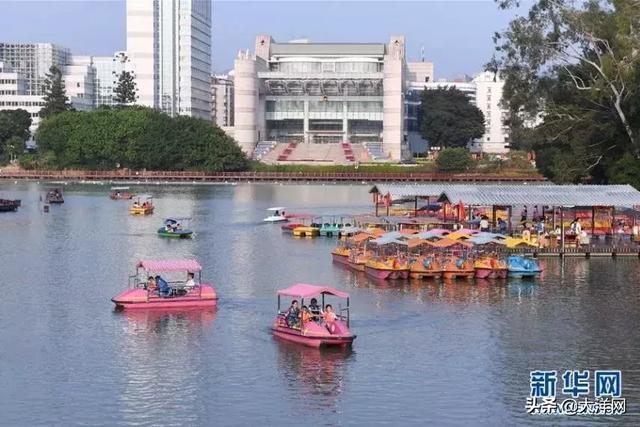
{"x":33,"y":60}
{"x":222,"y":95}
{"x":322,"y":93}
{"x":79,"y":82}
{"x":13,"y":94}
{"x":107,"y":73}
{"x":169,"y":42}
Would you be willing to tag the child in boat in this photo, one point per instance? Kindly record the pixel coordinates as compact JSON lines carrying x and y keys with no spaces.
{"x":306,"y":314}
{"x":151,"y":284}
{"x":292,"y":317}
{"x":315,"y":309}
{"x":329,"y":317}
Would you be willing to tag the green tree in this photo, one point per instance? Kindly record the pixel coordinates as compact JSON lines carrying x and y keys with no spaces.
{"x":125,"y":91}
{"x":448,"y":119}
{"x":572,"y":75}
{"x":136,"y":138}
{"x":626,"y":171}
{"x":454,"y":160}
{"x":55,"y":97}
{"x":14,"y":123}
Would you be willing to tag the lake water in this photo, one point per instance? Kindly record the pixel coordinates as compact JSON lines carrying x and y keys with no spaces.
{"x":425,"y":353}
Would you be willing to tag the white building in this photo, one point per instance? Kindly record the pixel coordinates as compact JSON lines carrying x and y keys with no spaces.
{"x":323,"y":93}
{"x":13,"y":94}
{"x":169,"y":42}
{"x":484,"y":92}
{"x":33,"y":61}
{"x":222,"y":96}
{"x":79,"y":79}
{"x":107,"y":73}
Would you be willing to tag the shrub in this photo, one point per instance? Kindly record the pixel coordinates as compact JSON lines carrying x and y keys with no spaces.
{"x":454,"y":160}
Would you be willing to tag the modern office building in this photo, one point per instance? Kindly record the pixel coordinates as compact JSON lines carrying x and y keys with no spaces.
{"x":79,"y":82}
{"x":13,"y":94}
{"x":169,"y":43}
{"x":107,"y":71}
{"x":222,"y":96}
{"x":304,"y":92}
{"x":33,"y":61}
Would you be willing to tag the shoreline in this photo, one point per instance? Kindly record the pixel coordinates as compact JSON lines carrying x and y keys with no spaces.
{"x":174,"y":177}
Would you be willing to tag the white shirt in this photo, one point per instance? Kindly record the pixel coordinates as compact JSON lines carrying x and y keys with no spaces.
{"x":189,"y":284}
{"x":484,"y":223}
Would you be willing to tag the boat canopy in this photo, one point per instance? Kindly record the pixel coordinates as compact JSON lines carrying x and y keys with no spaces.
{"x":300,"y":216}
{"x":119,"y":188}
{"x":277,"y":208}
{"x":189,"y":265}
{"x":302,"y":290}
{"x":361,"y":237}
{"x":144,"y":196}
{"x":175,"y":219}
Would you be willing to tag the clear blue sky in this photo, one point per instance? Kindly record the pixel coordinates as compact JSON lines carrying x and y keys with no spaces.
{"x":456,"y":34}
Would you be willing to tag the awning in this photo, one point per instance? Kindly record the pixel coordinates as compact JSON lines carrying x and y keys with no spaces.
{"x":189,"y":265}
{"x":302,"y":290}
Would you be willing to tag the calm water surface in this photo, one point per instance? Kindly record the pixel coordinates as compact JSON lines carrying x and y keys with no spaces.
{"x":425,"y":353}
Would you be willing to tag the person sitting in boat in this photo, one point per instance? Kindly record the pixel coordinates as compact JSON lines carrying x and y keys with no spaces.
{"x":315,"y":309}
{"x":136,"y":204}
{"x":151,"y":284}
{"x":329,"y":317}
{"x":190,"y":283}
{"x":305,"y":316}
{"x":164,"y":290}
{"x":292,"y":316}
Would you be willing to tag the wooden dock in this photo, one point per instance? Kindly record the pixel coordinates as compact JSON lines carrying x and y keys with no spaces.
{"x":141,"y":177}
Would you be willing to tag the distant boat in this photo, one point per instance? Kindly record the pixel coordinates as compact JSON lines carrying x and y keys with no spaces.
{"x":173,"y":228}
{"x":142,"y":208}
{"x":9,"y":205}
{"x":277,"y":214}
{"x":54,"y":196}
{"x":120,"y":193}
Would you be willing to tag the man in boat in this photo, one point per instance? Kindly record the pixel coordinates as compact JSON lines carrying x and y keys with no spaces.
{"x":190,"y":283}
{"x":315,"y":309}
{"x":151,"y":284}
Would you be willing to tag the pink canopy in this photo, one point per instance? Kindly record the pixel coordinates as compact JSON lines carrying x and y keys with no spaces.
{"x":302,"y":290}
{"x":190,"y":265}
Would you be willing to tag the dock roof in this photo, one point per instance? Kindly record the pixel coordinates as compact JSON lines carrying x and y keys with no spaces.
{"x":510,"y":194}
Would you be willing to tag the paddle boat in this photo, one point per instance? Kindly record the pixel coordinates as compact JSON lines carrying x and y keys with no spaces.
{"x":173,"y":228}
{"x":340,"y":254}
{"x":9,"y":205}
{"x":142,"y":208}
{"x":388,"y":268}
{"x":277,"y":214}
{"x":54,"y":196}
{"x":489,"y":267}
{"x":163,"y":293}
{"x":313,"y":332}
{"x":307,"y":230}
{"x":522,"y":267}
{"x":295,"y":221}
{"x":425,"y":267}
{"x":120,"y":193}
{"x":358,"y":259}
{"x":334,"y":226}
{"x":458,"y":268}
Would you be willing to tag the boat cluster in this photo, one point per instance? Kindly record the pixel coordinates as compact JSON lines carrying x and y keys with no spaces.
{"x":309,"y":225}
{"x":437,"y":253}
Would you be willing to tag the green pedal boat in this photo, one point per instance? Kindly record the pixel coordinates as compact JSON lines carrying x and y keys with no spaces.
{"x":173,"y":228}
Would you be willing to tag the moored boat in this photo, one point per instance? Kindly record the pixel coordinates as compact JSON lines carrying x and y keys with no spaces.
{"x":522,"y":267}
{"x":161,"y":293}
{"x":387,"y":269}
{"x":425,"y":267}
{"x":341,"y":254}
{"x":306,"y":231}
{"x":490,"y":268}
{"x":358,"y":259}
{"x":458,"y":268}
{"x":142,"y":208}
{"x":298,"y":327}
{"x":174,"y":228}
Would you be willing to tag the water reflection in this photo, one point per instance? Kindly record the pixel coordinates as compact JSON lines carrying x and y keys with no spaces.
{"x":314,"y":376}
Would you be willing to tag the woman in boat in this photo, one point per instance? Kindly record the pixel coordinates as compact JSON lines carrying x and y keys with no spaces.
{"x":329,"y":317}
{"x":305,"y":316}
{"x":151,"y":284}
{"x":292,"y":316}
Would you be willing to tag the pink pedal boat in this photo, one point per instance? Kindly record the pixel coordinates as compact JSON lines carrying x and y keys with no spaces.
{"x":166,"y":294}
{"x":314,"y":333}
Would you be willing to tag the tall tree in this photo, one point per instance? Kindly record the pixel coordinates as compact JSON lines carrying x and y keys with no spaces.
{"x":572,"y":75}
{"x":125,"y":91}
{"x":14,"y":123}
{"x":55,"y":97}
{"x":448,"y":119}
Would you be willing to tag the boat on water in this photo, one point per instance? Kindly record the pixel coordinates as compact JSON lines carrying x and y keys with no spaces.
{"x":519,"y":266}
{"x":325,"y":328}
{"x":120,"y":193}
{"x":277,"y":214}
{"x":295,"y":221}
{"x":425,"y":267}
{"x":7,"y":205}
{"x":143,"y":205}
{"x":458,"y":268}
{"x":387,"y":268}
{"x":333,"y":225}
{"x":311,"y":230}
{"x":340,"y":254}
{"x":489,"y":267}
{"x":54,"y":196}
{"x":174,"y":228}
{"x":358,"y":259}
{"x":164,"y":292}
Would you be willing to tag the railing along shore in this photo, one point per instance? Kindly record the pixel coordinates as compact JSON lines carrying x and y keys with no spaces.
{"x":193,"y":176}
